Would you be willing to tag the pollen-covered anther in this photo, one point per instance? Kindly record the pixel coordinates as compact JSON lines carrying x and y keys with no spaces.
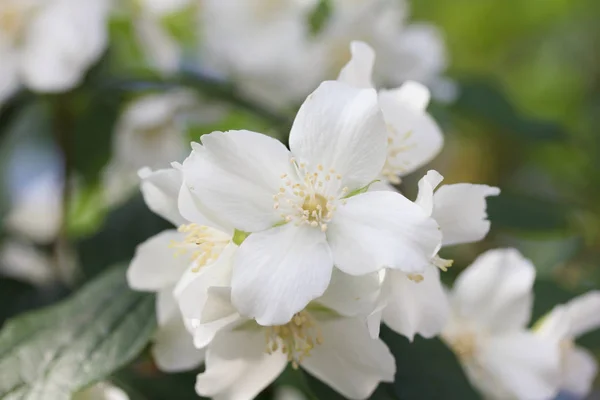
{"x":442,"y":263}
{"x":394,"y":165}
{"x":297,"y":338}
{"x":203,"y":243}
{"x":464,"y":345}
{"x":415,"y":277}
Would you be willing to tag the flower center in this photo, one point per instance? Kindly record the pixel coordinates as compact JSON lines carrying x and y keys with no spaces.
{"x":464,"y":345}
{"x":309,"y":197}
{"x":203,"y":242}
{"x":13,"y":18}
{"x":394,"y":165}
{"x":296,"y":338}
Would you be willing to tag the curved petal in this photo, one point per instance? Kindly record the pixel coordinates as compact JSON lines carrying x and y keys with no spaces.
{"x":496,"y":290}
{"x":579,"y":371}
{"x":427,"y":185}
{"x":278,"y":272}
{"x":349,"y":360}
{"x":341,"y":127}
{"x":358,"y":71}
{"x":160,"y":189}
{"x":525,"y":365}
{"x":237,"y":366}
{"x":414,"y":137}
{"x":155,"y":265}
{"x":173,"y":349}
{"x":193,"y":210}
{"x":235,"y":174}
{"x":351,"y":295}
{"x":417,"y":307}
{"x":584,"y":313}
{"x":374,"y":230}
{"x":191,"y":291}
{"x":205,"y":333}
{"x":460,"y":211}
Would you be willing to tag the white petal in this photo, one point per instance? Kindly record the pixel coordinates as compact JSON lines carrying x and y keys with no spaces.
{"x":101,"y":391}
{"x":349,"y":360}
{"x":584,"y":313}
{"x":416,"y":137}
{"x":193,"y":210}
{"x":359,"y":69}
{"x":524,"y":364}
{"x":237,"y":366}
{"x":24,"y":262}
{"x":460,"y":211}
{"x":192,"y":290}
{"x":173,"y":348}
{"x":161,"y":50}
{"x":161,"y":190}
{"x":155,"y":264}
{"x":416,"y":307}
{"x":382,"y":229}
{"x":412,"y":94}
{"x":62,"y":41}
{"x":236,"y":174}
{"x":351,"y":295}
{"x":579,"y":371}
{"x":205,"y":333}
{"x":279,"y":271}
{"x":341,"y":127}
{"x":427,"y":185}
{"x":496,"y":290}
{"x":9,"y":79}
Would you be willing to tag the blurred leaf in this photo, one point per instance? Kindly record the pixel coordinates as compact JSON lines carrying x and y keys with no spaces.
{"x":319,"y":16}
{"x":86,"y":210}
{"x":526,"y":213}
{"x":426,"y":369}
{"x":481,"y":99}
{"x":51,"y":353}
{"x":122,"y":231}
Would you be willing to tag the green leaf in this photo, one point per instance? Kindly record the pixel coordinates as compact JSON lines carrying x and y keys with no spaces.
{"x":522,"y":212}
{"x":319,"y":16}
{"x":51,"y":353}
{"x":426,"y":369}
{"x":482,"y":99}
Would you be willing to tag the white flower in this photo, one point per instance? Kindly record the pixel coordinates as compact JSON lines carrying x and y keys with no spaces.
{"x":566,"y":323}
{"x":416,"y":303}
{"x":162,"y":260}
{"x":22,"y":261}
{"x":38,"y":209}
{"x":150,"y":133}
{"x":337,"y":350}
{"x":304,"y":207}
{"x":162,"y":50}
{"x":47,"y":45}
{"x":407,"y":51}
{"x":491,"y":305}
{"x":414,"y":138}
{"x":101,"y":391}
{"x":263,"y":45}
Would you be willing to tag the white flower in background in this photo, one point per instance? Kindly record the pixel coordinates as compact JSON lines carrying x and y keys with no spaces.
{"x":161,"y":261}
{"x":262,"y":45}
{"x":564,"y":324}
{"x":150,"y":133}
{"x":48,"y":45}
{"x":37,"y":210}
{"x":490,"y":307}
{"x":22,"y":261}
{"x":406,"y":51}
{"x":288,"y":393}
{"x":305,"y":207}
{"x":161,"y":49}
{"x":414,"y":138}
{"x":243,"y":358}
{"x":101,"y":391}
{"x":416,"y":303}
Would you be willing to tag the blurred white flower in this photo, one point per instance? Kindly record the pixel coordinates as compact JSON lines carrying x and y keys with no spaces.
{"x":406,"y":51}
{"x":416,"y":303}
{"x":490,"y":308}
{"x":288,"y":393}
{"x":337,"y":350}
{"x":163,"y":259}
{"x":48,"y":45}
{"x":306,"y":208}
{"x":150,"y":133}
{"x":22,"y":261}
{"x":101,"y":391}
{"x":37,"y":210}
{"x":564,"y":324}
{"x":414,"y":138}
{"x":262,"y":45}
{"x":163,"y":52}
